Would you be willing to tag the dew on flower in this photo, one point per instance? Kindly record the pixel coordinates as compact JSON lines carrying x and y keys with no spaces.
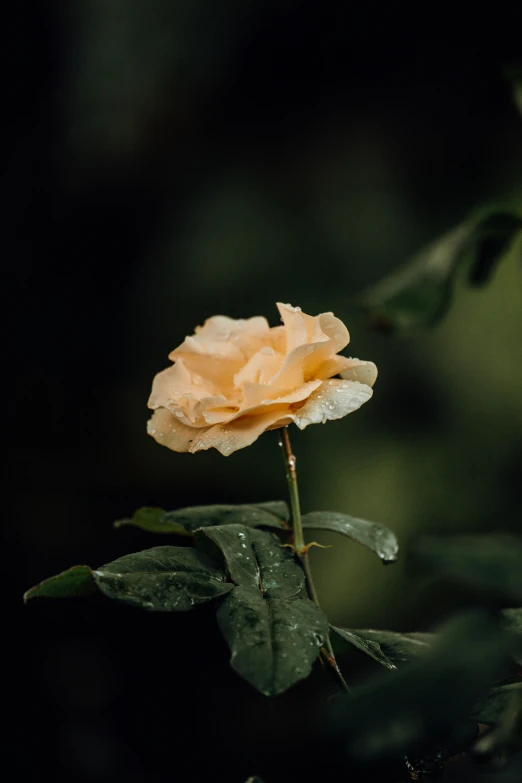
{"x":218,"y":419}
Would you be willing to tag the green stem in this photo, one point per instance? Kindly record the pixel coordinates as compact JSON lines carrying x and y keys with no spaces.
{"x":291,"y":477}
{"x":300,"y":547}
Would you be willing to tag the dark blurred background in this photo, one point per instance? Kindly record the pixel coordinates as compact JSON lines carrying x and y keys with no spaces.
{"x":175,"y":159}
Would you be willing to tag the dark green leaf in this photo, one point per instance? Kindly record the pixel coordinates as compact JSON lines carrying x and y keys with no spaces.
{"x":491,"y":564}
{"x":512,"y":622}
{"x":273,"y":640}
{"x":153,"y":520}
{"x":231,"y":545}
{"x":419,"y":293}
{"x":386,"y":647}
{"x":163,"y":579}
{"x":371,"y":648}
{"x":74,"y":582}
{"x":497,"y":233}
{"x":505,"y":711}
{"x":253,"y":558}
{"x":254,"y":779}
{"x":185,"y":521}
{"x":274,"y":633}
{"x":429,"y":697}
{"x":376,"y":537}
{"x":492,"y":708}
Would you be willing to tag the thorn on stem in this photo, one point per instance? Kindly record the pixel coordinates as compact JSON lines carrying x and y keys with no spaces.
{"x":306,"y":547}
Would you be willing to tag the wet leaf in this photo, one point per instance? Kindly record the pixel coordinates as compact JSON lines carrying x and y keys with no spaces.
{"x":274,"y":640}
{"x":376,"y":537}
{"x":371,"y":648}
{"x":419,"y":293}
{"x":425,"y":700}
{"x":73,"y":583}
{"x":386,"y":647}
{"x":185,"y":521}
{"x":490,"y":564}
{"x":274,"y":632}
{"x":163,"y":579}
{"x":253,"y":558}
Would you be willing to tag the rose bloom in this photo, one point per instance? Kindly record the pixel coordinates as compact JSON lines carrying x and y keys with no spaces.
{"x":234,"y":379}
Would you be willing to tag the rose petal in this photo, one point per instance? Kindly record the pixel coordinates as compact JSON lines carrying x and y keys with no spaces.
{"x":167,"y":430}
{"x":219,"y":349}
{"x":333,"y":366}
{"x":337,"y":338}
{"x":257,"y":396}
{"x":277,"y":338}
{"x":300,"y":328}
{"x":217,"y":370}
{"x":221,"y":327}
{"x":202,"y":346}
{"x":237,"y":434}
{"x":260,"y":368}
{"x":329,"y":335}
{"x":361,"y":371}
{"x":219,"y":415}
{"x":332,"y":400}
{"x":234,"y":338}
{"x":177,"y":381}
{"x":215,"y":410}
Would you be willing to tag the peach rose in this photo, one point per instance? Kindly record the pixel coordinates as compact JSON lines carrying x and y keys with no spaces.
{"x":234,"y":379}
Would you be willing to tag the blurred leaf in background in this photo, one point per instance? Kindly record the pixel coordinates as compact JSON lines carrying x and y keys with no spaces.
{"x":423,"y":704}
{"x":420,"y":293}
